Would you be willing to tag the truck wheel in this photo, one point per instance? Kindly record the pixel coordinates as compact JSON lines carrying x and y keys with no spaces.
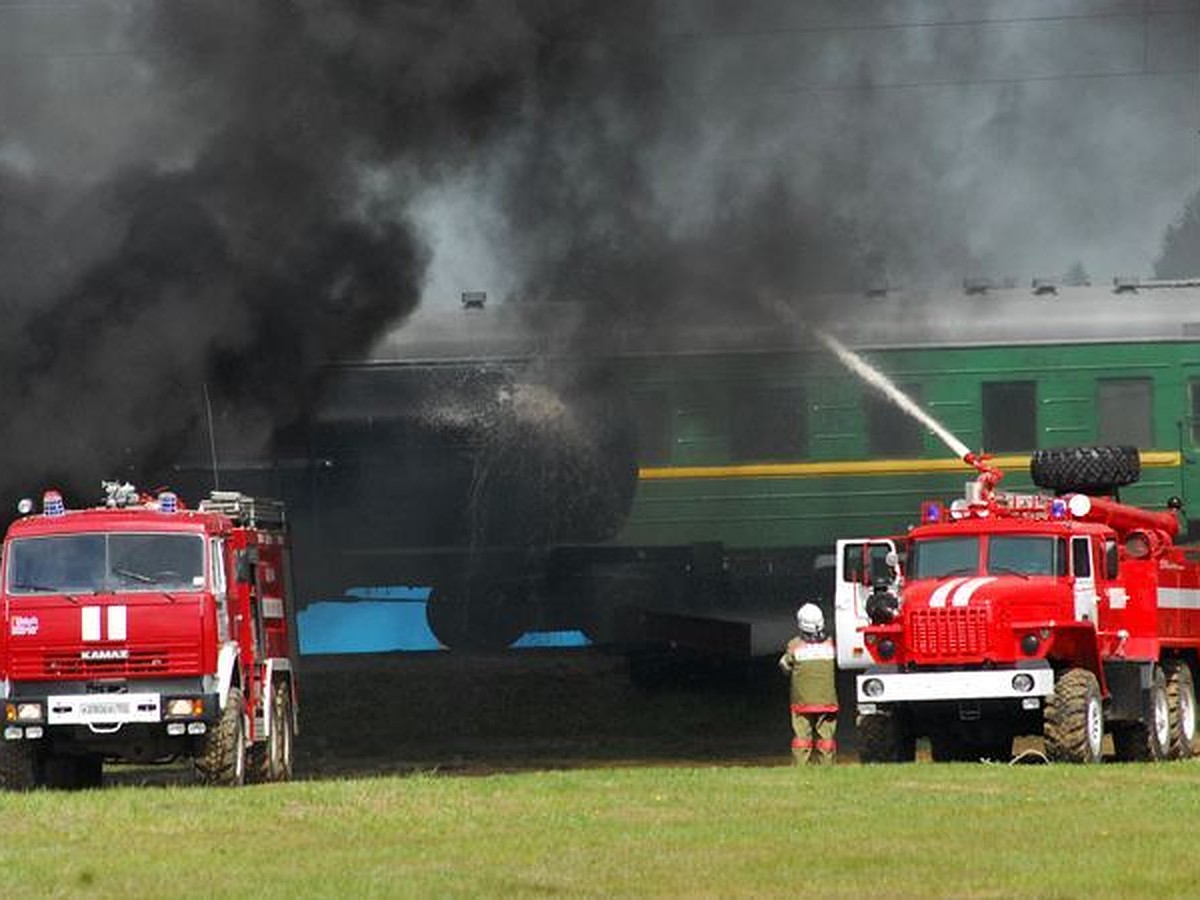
{"x":271,"y":760}
{"x":882,"y":738}
{"x":280,"y":756}
{"x":20,"y":767}
{"x":1181,"y":702}
{"x":1150,"y":739}
{"x":223,"y":759}
{"x":1073,"y":720}
{"x":1086,"y":470}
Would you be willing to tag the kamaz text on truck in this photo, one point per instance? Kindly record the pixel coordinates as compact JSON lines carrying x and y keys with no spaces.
{"x":143,"y":631}
{"x":1066,"y":615}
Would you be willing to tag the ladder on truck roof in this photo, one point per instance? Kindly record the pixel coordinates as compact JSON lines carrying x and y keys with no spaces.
{"x":252,"y":512}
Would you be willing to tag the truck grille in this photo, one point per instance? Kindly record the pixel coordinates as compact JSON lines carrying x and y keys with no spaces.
{"x":141,"y":662}
{"x":948,"y":632}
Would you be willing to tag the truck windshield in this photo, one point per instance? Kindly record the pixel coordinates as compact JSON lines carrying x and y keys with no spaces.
{"x":1026,"y":555}
{"x":102,"y":563}
{"x":940,"y":557}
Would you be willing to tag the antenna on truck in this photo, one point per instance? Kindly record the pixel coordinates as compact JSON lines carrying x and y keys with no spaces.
{"x":212,"y":439}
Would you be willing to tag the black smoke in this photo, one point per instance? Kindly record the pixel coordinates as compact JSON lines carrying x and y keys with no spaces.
{"x":227,"y":196}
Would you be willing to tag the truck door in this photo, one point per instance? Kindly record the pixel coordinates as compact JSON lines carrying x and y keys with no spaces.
{"x":1085,"y":579}
{"x":858,"y":563}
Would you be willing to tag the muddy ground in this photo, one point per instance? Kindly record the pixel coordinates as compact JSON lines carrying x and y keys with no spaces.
{"x":377,"y":714}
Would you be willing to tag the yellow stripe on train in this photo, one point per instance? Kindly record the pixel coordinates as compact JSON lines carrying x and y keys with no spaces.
{"x":1010,"y":463}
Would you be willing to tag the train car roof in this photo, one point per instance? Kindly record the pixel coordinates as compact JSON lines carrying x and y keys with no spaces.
{"x":1120,"y":313}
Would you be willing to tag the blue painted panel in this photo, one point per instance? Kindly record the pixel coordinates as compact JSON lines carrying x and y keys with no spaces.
{"x":386,"y":619}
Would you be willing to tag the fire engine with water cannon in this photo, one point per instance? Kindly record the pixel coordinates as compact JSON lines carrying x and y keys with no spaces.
{"x":1065,"y":614}
{"x":140,"y":630}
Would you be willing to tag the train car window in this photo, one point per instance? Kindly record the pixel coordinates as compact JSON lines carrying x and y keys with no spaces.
{"x":768,"y":424}
{"x":1009,"y":415}
{"x":891,"y":431}
{"x":652,"y":425}
{"x":1124,"y":412}
{"x":1194,"y":419}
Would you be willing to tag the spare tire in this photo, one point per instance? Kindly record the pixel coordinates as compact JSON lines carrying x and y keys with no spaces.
{"x":1085,"y":470}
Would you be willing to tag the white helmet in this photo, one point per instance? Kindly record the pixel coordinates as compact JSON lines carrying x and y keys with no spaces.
{"x":810,"y":619}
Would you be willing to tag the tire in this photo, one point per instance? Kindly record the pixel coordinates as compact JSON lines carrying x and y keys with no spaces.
{"x":1085,"y":470}
{"x":20,"y":766}
{"x":284,"y":762}
{"x":1073,"y":720}
{"x":1181,"y":702}
{"x":223,"y":758}
{"x":1150,"y":739}
{"x":882,"y":739}
{"x":271,"y":760}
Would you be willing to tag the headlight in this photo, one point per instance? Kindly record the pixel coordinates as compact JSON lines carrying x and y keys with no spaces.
{"x":1023,"y":683}
{"x":184,"y":707}
{"x":23,"y":712}
{"x":886,"y":648}
{"x":873,"y":687}
{"x":1029,"y":644}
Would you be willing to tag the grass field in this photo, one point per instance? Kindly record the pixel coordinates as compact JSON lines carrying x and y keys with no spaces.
{"x":914,"y":830}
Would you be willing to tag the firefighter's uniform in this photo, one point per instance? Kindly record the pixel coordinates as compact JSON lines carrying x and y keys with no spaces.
{"x":809,"y":660}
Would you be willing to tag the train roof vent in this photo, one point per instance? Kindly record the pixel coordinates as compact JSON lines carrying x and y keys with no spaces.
{"x":474,"y":299}
{"x":1044,"y":287}
{"x":249,"y":511}
{"x":1126,"y":284}
{"x":976,"y":286}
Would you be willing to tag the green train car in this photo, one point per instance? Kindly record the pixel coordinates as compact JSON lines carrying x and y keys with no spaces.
{"x":539,"y":467}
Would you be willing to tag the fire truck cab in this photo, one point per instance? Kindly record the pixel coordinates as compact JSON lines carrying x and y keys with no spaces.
{"x":1066,"y":616}
{"x":143,"y":631}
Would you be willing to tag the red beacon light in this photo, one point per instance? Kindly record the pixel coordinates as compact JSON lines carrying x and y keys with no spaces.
{"x":931,"y":512}
{"x":52,"y":504}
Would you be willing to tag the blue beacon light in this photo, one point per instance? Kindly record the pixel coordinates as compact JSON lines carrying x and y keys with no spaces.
{"x":168,"y":502}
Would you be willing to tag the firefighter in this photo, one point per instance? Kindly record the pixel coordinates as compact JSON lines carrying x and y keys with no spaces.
{"x":809,"y":661}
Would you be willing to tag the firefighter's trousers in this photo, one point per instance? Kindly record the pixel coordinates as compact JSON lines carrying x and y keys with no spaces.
{"x":814,"y":737}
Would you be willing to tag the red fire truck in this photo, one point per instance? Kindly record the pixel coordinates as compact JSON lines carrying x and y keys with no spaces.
{"x":143,"y":631}
{"x":1066,"y":615}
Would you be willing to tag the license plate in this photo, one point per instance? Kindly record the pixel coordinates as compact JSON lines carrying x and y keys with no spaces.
{"x":92,"y":710}
{"x":103,"y":710}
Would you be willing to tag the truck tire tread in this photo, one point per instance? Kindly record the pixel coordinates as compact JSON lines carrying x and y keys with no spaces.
{"x":223,"y":759}
{"x":19,"y":766}
{"x":1181,"y":699}
{"x":1066,"y":717}
{"x":1086,"y":470}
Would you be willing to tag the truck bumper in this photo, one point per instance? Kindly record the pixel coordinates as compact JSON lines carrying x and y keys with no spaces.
{"x":876,"y":687}
{"x":103,"y":714}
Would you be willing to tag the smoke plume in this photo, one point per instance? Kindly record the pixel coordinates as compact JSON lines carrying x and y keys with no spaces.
{"x":200,"y":194}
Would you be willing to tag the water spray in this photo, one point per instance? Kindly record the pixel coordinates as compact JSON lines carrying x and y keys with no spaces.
{"x":989,"y":475}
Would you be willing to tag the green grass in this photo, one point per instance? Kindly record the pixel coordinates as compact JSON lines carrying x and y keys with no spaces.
{"x":914,"y":830}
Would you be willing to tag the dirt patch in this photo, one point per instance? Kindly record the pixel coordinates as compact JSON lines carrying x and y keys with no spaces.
{"x":538,"y":709}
